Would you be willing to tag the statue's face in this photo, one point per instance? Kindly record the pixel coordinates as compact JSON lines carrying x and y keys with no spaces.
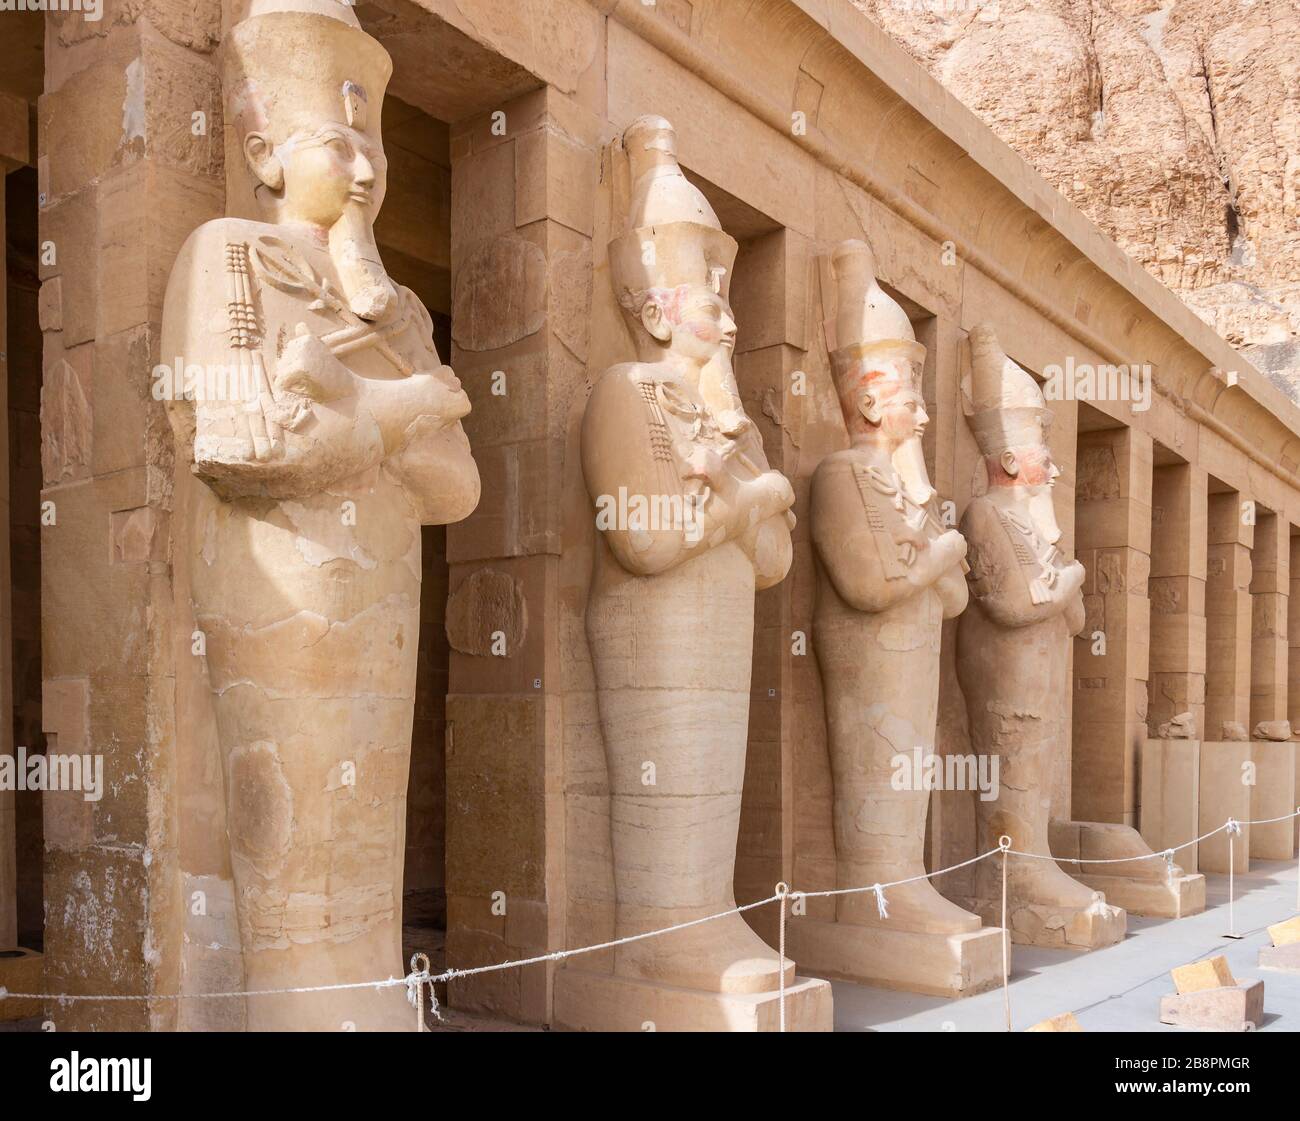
{"x":695,"y":321}
{"x":902,"y":416}
{"x":327,"y":170}
{"x":893,"y":410}
{"x":1032,"y":469}
{"x":1028,"y":466}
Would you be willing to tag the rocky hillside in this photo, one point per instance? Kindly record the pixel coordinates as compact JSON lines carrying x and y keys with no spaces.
{"x":1173,"y":124}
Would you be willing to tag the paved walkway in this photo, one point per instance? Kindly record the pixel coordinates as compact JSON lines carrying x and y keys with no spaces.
{"x":1116,"y":989}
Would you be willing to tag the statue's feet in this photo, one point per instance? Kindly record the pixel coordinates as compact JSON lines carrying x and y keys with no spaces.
{"x":724,"y":956}
{"x":915,"y":907}
{"x":1044,"y":883}
{"x":1105,"y":841}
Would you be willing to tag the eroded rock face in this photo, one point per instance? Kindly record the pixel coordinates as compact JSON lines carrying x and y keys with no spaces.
{"x":1173,"y":125}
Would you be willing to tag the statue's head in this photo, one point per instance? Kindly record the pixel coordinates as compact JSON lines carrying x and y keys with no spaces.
{"x":877,"y":364}
{"x":672,"y":269}
{"x":1010,"y":420}
{"x":305,"y":88}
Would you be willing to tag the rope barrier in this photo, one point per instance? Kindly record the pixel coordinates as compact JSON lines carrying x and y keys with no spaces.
{"x":1004,"y":845}
{"x":415,"y":981}
{"x":782,"y":890}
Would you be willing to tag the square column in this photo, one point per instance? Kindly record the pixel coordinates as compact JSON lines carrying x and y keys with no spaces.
{"x":523,"y":178}
{"x":8,"y":820}
{"x":1293,"y":657}
{"x":1113,"y":540}
{"x":1270,"y":596}
{"x":1225,"y":793}
{"x":1231,"y":535}
{"x":117,"y":203}
{"x":1177,"y":594}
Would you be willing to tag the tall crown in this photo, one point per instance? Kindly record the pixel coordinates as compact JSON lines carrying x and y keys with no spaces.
{"x":1003,"y":403}
{"x":870,"y":326}
{"x":291,"y":64}
{"x":674,"y":236}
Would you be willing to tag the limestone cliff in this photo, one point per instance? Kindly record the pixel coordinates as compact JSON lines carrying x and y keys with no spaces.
{"x":1173,"y":124}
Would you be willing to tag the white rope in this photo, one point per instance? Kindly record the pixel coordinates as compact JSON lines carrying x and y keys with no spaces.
{"x":1004,"y":847}
{"x":560,"y":955}
{"x":782,"y":890}
{"x":414,"y":981}
{"x":878,"y":888}
{"x":882,"y":911}
{"x":73,"y":998}
{"x":1232,"y":825}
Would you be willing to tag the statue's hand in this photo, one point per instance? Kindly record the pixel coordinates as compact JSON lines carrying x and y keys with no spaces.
{"x":308,"y":368}
{"x":398,"y":403}
{"x":949,"y":547}
{"x":1072,"y":577}
{"x":775,"y":495}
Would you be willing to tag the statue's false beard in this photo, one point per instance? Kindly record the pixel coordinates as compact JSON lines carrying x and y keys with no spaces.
{"x":366,"y":284}
{"x":909,"y":461}
{"x":721,"y":393}
{"x":1042,"y":514}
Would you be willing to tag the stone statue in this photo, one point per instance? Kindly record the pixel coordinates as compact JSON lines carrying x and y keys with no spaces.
{"x":317,"y":430}
{"x":889,"y":573}
{"x":1275,"y":730}
{"x":1181,"y":727}
{"x":692,"y":522}
{"x":1013,"y":654}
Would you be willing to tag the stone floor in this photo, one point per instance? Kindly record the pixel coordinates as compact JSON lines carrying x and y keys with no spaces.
{"x":1113,"y":990}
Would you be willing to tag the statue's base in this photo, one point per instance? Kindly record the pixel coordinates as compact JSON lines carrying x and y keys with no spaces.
{"x":951,"y":965}
{"x":1141,"y":884}
{"x":22,"y":973}
{"x":1056,"y":927}
{"x":1154,"y":898}
{"x":1238,"y":1007}
{"x":588,"y":1001}
{"x":1285,"y":959}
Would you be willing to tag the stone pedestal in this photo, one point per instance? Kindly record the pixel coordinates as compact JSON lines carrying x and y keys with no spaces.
{"x":1059,"y":928}
{"x":1170,"y":797}
{"x":1238,"y":1008}
{"x":1143,"y":886}
{"x":24,"y":973}
{"x":586,"y":1000}
{"x":1284,"y":959}
{"x":1273,"y":796}
{"x":951,"y":965}
{"x":1224,"y":794}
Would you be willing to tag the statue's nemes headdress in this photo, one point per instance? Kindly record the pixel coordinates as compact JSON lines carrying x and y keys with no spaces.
{"x":1003,"y":403}
{"x":291,"y":65}
{"x":875,"y":346}
{"x":673,"y":237}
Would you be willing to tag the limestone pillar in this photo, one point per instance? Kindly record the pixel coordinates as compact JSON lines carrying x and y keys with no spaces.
{"x":1231,"y":535}
{"x":1293,"y":657}
{"x":120,"y":191}
{"x":1272,"y":751}
{"x":1177,"y":594}
{"x":1113,"y":540}
{"x":769,"y":292}
{"x":1270,"y":594}
{"x":521,"y":229}
{"x":1225,"y":788}
{"x":8,"y":864}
